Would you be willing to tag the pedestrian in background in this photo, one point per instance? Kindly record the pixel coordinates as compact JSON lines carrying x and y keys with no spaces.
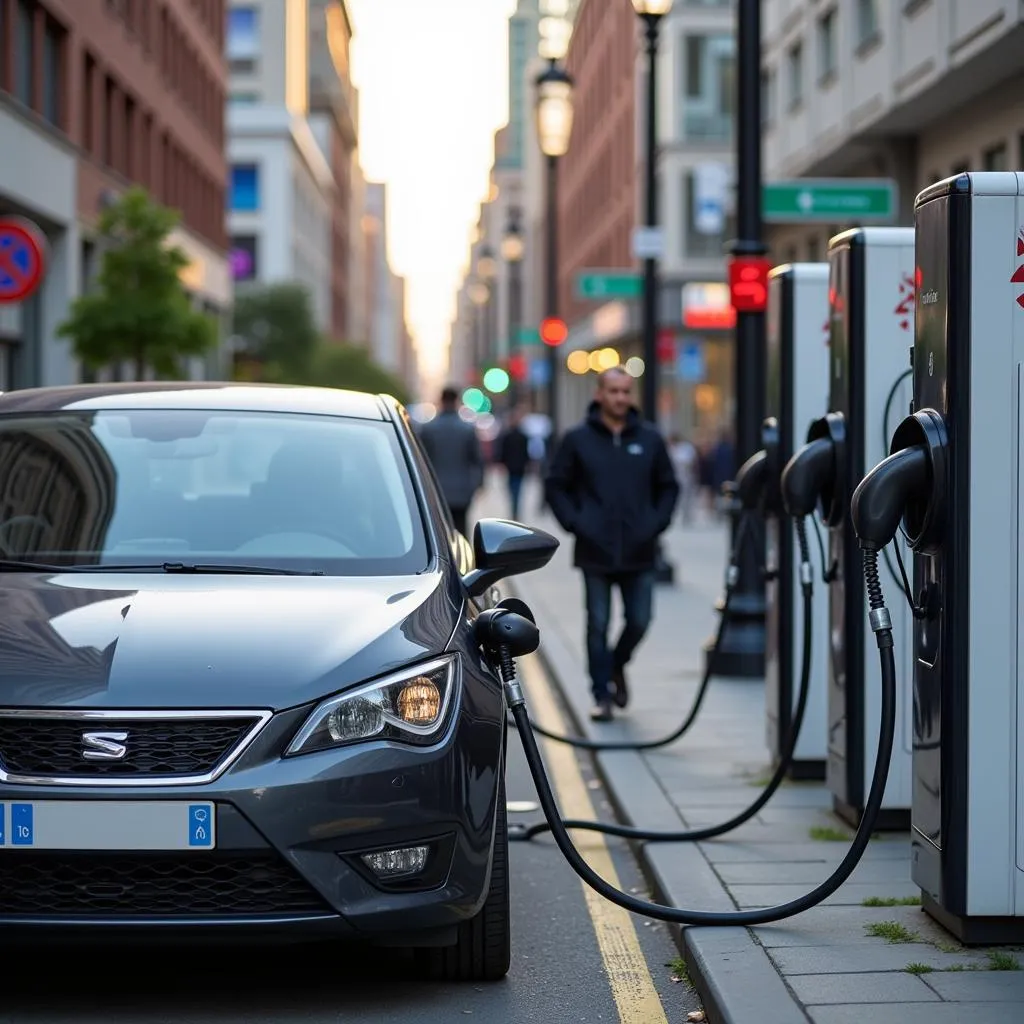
{"x":611,"y":484}
{"x":512,"y":450}
{"x":685,"y":462}
{"x":453,"y":448}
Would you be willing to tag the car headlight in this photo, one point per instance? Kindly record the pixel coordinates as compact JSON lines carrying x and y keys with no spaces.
{"x":411,"y":706}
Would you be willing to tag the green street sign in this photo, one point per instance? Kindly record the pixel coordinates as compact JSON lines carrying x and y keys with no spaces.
{"x":829,"y":200}
{"x":608,"y":284}
{"x":528,"y":336}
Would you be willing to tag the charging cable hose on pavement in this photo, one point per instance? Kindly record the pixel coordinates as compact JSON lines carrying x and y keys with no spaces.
{"x":743,"y":531}
{"x":503,"y":632}
{"x":527,"y":833}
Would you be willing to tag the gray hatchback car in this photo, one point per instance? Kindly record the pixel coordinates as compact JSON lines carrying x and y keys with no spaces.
{"x":240,"y":694}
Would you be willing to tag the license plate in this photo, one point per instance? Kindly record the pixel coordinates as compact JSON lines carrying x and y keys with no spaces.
{"x":107,"y":825}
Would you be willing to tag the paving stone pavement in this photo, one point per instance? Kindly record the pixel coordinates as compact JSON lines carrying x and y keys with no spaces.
{"x":834,"y":964}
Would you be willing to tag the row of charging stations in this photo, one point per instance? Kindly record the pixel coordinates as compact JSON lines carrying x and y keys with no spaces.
{"x":945,"y":299}
{"x":839,"y":337}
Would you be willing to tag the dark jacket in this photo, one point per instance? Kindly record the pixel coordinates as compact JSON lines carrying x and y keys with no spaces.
{"x":513,"y":451}
{"x":615,"y":493}
{"x":454,"y":450}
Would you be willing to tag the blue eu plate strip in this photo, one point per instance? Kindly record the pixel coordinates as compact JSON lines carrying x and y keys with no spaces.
{"x":3,"y":818}
{"x":21,"y":825}
{"x":200,"y":827}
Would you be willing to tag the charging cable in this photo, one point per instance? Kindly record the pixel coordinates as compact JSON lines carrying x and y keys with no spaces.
{"x":502,"y":632}
{"x":731,"y":579}
{"x":524,"y":834}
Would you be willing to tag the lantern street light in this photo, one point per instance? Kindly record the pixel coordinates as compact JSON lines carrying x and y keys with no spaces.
{"x":512,"y":250}
{"x":554,"y":130}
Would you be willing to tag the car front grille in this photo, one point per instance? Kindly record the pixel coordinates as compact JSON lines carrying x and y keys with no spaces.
{"x":156,"y":748}
{"x":190,"y":886}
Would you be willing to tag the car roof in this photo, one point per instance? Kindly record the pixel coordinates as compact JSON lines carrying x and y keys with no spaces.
{"x":199,"y":395}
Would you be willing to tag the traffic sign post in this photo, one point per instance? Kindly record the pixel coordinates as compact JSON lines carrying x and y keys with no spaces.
{"x":608,"y":284}
{"x":22,"y":259}
{"x":830,"y":200}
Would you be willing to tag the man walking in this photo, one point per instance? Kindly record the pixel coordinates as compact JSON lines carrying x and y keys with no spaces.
{"x":454,"y":451}
{"x":513,"y":452}
{"x":611,"y":484}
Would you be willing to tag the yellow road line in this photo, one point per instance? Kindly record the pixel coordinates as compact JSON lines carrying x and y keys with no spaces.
{"x":632,"y":987}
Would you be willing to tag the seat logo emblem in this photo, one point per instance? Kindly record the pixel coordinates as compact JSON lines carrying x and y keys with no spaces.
{"x":104,"y":746}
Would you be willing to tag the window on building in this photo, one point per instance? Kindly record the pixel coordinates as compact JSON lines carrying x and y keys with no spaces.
{"x":709,"y":86}
{"x":707,"y":231}
{"x":795,"y":65}
{"x":769,"y":93}
{"x":243,"y":37}
{"x":827,"y":56}
{"x":107,"y":155}
{"x":996,"y":159}
{"x":242,"y":257}
{"x":813,"y":249}
{"x":24,"y":55}
{"x":245,"y":187}
{"x":867,"y":21}
{"x":53,"y":73}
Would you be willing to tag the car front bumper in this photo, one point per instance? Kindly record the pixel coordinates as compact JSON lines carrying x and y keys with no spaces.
{"x":289,"y":835}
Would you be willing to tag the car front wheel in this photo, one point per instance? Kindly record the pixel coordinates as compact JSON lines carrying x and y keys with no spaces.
{"x":483,"y":951}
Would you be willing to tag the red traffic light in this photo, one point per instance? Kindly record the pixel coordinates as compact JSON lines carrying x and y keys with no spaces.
{"x":748,"y":283}
{"x":553,"y":331}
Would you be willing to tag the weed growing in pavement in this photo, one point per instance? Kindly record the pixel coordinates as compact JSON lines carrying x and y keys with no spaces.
{"x":918,"y":969}
{"x":1000,"y":961}
{"x":892,"y":901}
{"x":824,"y":834}
{"x":891,"y":931}
{"x":680,"y":972}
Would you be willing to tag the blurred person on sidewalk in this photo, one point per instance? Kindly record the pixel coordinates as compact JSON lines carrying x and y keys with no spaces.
{"x":611,"y":484}
{"x":453,"y":448}
{"x":684,"y":460}
{"x":512,"y":450}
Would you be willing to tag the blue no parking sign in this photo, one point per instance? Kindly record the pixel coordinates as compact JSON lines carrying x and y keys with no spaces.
{"x":22,"y":259}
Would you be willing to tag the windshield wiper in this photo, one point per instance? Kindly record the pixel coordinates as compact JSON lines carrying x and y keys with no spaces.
{"x":15,"y":565}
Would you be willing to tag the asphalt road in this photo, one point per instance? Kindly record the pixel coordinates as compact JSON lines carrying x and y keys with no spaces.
{"x":558,"y":972}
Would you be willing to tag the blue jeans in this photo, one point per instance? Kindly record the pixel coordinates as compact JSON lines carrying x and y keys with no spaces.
{"x":515,"y":489}
{"x":637,"y":590}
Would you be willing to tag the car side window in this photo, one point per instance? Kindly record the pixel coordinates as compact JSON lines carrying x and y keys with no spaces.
{"x":461,"y":549}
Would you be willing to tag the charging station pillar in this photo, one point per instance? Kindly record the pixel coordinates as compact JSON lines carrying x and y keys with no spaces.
{"x":968,"y":536}
{"x":796,"y":393}
{"x":871,"y":323}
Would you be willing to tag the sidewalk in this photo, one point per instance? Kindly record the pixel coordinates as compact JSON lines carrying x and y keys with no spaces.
{"x":836,"y":964}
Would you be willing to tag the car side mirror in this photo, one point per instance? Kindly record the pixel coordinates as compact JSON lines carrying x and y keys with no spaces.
{"x":502,"y":548}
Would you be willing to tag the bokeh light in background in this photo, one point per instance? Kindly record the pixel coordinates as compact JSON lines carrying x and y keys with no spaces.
{"x":474,"y":399}
{"x":496,"y":380}
{"x":423,"y":412}
{"x":607,"y":358}
{"x":578,"y":361}
{"x":488,"y":427}
{"x":635,"y":366}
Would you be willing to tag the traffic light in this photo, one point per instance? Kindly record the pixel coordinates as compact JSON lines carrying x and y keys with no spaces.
{"x":748,"y":283}
{"x":553,"y":331}
{"x":518,"y":368}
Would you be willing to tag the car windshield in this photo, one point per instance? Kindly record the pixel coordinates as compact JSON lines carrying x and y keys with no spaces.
{"x":135,"y":487}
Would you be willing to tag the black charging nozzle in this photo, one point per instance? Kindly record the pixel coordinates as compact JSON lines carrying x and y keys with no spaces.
{"x":811,"y":478}
{"x":506,"y":632}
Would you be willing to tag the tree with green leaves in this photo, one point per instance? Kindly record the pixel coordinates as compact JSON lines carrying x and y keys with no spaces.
{"x":283,"y":346}
{"x":139,"y":311}
{"x":279,"y":330}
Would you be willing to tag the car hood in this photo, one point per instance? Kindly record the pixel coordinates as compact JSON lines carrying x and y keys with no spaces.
{"x":143,"y":641}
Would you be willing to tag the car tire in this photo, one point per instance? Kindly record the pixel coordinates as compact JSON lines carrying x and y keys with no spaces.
{"x":483,"y":951}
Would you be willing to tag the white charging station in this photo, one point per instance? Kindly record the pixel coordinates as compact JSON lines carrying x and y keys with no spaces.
{"x":871,"y":324}
{"x":797,"y":393}
{"x":968,"y":535}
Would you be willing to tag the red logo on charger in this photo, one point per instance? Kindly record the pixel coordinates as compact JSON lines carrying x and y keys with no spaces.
{"x":1018,"y":274}
{"x":906,"y":304}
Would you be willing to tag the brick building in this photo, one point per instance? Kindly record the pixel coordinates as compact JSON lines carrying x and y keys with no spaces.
{"x":96,"y":95}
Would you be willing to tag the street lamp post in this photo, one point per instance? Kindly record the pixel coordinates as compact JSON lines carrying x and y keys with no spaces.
{"x":512,"y":253}
{"x":487,"y":271}
{"x":740,"y":653}
{"x":554,"y":129}
{"x":479,"y":294}
{"x":651,"y":12}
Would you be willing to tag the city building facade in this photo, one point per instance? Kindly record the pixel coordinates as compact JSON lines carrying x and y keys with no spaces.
{"x":96,"y":95}
{"x":333,"y":121}
{"x":912,"y":92}
{"x":282,"y":183}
